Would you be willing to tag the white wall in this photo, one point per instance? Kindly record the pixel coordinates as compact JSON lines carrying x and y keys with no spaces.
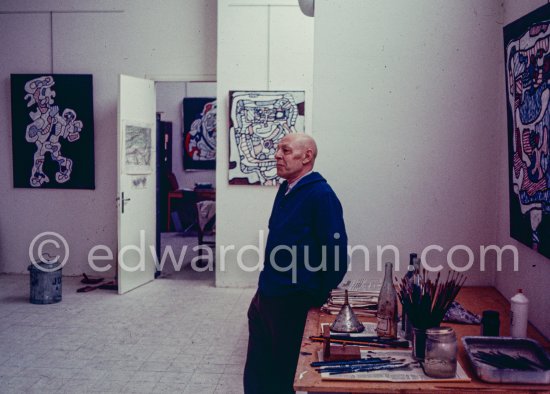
{"x":170,"y":96}
{"x":405,"y":119}
{"x":419,"y":88}
{"x":171,"y":38}
{"x":534,"y":269}
{"x":262,"y":44}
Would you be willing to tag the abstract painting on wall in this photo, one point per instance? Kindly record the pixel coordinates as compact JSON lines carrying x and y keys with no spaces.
{"x":258,"y":121}
{"x":199,"y":133}
{"x":52,"y":131}
{"x":527,"y":63}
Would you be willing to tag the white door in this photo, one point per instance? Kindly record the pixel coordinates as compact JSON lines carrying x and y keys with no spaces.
{"x":136,"y":182}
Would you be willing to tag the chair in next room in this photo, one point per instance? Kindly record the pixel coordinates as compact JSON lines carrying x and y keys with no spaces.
{"x":206,"y":224}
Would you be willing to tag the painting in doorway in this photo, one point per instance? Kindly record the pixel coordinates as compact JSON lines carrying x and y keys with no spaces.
{"x":199,"y":133}
{"x":258,"y":121}
{"x":527,"y":62}
{"x":52,"y":131}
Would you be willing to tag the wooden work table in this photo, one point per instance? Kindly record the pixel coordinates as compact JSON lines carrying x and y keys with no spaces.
{"x":475,"y":299}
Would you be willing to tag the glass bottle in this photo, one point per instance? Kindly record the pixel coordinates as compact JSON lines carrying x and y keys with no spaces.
{"x":414,"y":265}
{"x":409,"y":277}
{"x":386,"y":315}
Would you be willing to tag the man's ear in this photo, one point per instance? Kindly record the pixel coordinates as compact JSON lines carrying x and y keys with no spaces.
{"x":308,"y":156}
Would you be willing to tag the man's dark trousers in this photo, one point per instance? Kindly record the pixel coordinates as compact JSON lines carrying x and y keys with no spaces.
{"x":276,"y":326}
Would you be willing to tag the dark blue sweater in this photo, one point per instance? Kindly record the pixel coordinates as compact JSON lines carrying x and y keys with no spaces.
{"x":303,"y":223}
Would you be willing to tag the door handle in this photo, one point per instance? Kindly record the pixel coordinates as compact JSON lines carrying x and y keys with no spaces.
{"x":122,"y":201}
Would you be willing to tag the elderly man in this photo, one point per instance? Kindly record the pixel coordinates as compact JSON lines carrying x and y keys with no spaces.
{"x":305,"y":257}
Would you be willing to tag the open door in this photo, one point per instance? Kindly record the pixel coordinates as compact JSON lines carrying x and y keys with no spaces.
{"x":136,"y":182}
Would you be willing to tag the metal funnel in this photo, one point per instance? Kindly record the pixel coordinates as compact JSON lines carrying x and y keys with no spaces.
{"x":346,"y":321}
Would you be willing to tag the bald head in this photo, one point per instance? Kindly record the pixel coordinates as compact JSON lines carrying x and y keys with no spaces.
{"x":306,"y":142}
{"x":295,"y":156}
{"x":303,"y":141}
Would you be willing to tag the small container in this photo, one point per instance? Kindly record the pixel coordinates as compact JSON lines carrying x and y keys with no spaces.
{"x":519,"y":308}
{"x":441,"y":350}
{"x":45,"y":282}
{"x":490,"y":324}
{"x":418,"y":343}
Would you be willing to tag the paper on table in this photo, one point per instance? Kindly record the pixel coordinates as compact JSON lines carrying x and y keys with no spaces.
{"x":412,"y":373}
{"x":363,"y":284}
{"x":362,"y":294}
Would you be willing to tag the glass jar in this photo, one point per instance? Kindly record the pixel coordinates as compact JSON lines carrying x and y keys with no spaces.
{"x":441,"y":349}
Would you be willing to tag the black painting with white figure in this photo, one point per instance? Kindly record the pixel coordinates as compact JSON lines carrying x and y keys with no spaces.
{"x":52,"y":131}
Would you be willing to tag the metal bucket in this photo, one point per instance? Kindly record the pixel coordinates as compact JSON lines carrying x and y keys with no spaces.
{"x":45,"y":280}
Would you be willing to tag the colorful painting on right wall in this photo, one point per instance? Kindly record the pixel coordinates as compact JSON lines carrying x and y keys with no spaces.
{"x":527,"y":68}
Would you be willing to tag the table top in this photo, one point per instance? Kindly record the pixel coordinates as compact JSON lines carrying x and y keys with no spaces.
{"x":475,"y":299}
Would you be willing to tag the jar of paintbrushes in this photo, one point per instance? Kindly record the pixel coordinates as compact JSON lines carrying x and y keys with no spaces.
{"x":426,"y":302}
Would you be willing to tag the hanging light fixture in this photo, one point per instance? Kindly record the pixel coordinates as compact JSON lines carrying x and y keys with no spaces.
{"x":307,"y":7}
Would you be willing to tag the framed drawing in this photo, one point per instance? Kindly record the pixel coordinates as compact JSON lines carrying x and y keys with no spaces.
{"x":257,"y":122}
{"x":527,"y":70}
{"x":52,"y":131}
{"x":137,"y":148}
{"x":199,"y":133}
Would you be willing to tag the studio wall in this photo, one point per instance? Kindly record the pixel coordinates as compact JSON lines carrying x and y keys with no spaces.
{"x":407,"y":124}
{"x":161,"y":40}
{"x":262,"y":45}
{"x":419,"y":88}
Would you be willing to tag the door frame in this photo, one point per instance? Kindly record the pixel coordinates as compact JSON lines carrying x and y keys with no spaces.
{"x":187,"y":78}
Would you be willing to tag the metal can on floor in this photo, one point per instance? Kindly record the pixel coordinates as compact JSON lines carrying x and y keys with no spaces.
{"x":45,"y":282}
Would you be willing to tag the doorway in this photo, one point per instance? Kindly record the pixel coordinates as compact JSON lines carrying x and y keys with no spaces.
{"x":181,"y":181}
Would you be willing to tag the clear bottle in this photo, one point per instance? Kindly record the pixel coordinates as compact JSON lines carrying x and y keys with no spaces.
{"x":386,"y":315}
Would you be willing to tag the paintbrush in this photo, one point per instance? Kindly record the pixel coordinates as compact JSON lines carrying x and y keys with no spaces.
{"x":425,"y":301}
{"x":372,"y":360}
{"x":363,"y":342}
{"x":369,"y":369}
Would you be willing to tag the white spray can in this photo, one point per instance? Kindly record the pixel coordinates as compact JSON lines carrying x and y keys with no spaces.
{"x":519,"y":307}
